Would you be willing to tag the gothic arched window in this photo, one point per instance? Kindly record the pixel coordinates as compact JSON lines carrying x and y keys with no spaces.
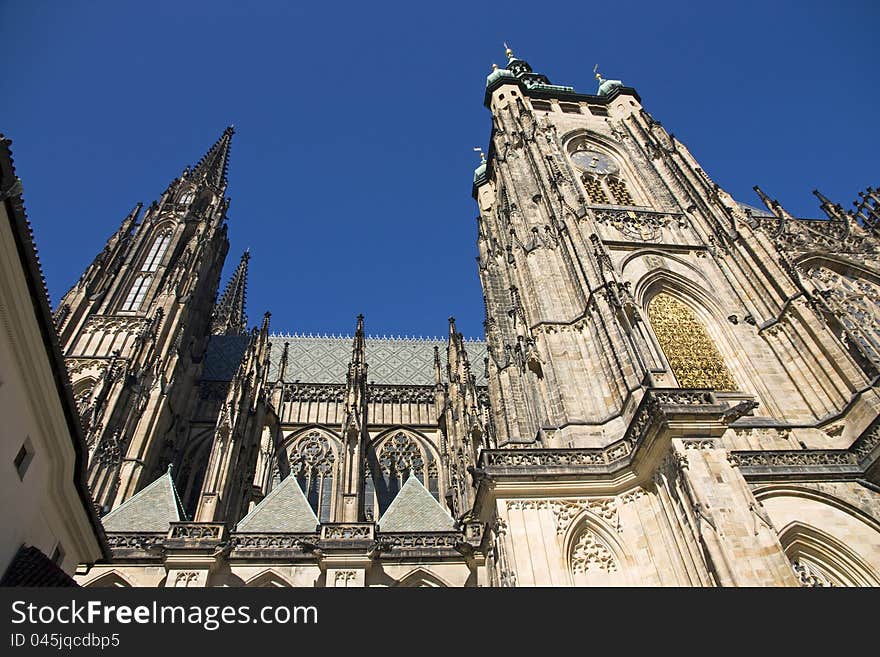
{"x":390,"y":466}
{"x":141,"y":285}
{"x":600,"y":175}
{"x":137,"y":292}
{"x":592,"y":560}
{"x":311,"y":462}
{"x":854,"y":305}
{"x":693,"y":357}
{"x":157,"y":250}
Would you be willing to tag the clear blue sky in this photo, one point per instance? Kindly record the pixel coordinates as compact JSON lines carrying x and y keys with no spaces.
{"x":351,"y":166}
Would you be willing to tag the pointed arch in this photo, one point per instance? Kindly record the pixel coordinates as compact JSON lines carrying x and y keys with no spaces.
{"x":420,"y":577}
{"x":829,"y":541}
{"x":313,"y":455}
{"x":616,"y":187}
{"x":594,"y":554}
{"x":111,"y":579}
{"x":820,"y":560}
{"x":269,"y":578}
{"x":190,"y":470}
{"x":686,"y":328}
{"x":392,"y":456}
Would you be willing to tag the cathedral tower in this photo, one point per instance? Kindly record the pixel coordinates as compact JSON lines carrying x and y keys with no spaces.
{"x":645,"y":331}
{"x":135,"y":326}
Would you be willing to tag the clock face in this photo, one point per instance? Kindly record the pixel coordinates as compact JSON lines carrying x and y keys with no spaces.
{"x":593,"y":162}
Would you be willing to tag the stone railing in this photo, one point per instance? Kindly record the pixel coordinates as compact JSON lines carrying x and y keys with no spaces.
{"x":420,"y":540}
{"x":353,"y":531}
{"x":255,"y":541}
{"x":314,"y":392}
{"x":139,"y":541}
{"x":655,"y":402}
{"x":196,"y":532}
{"x":386,"y":394}
{"x":853,"y":461}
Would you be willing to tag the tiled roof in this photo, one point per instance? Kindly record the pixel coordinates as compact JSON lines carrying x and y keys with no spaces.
{"x":415,"y":510}
{"x":30,"y":567}
{"x":391,"y":361}
{"x":152,"y":509}
{"x":285,"y":509}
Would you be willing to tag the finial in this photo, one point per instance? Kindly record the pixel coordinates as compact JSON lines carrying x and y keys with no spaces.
{"x":508,"y":51}
{"x":494,"y":66}
{"x":597,"y":74}
{"x":479,"y":150}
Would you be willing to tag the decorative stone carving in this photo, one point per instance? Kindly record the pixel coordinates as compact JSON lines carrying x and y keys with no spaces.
{"x":642,"y":225}
{"x":810,"y":576}
{"x":855,"y":303}
{"x":185,"y":578}
{"x":347,"y":532}
{"x":590,"y":553}
{"x":312,"y":454}
{"x":135,"y":541}
{"x":196,"y":531}
{"x":343,"y":577}
{"x":419,"y":540}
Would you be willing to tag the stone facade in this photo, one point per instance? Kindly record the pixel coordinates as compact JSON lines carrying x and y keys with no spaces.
{"x":675,"y":388}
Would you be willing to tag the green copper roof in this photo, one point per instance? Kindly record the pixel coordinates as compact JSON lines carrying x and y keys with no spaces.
{"x":480,"y":172}
{"x":608,"y":86}
{"x":497,"y":74}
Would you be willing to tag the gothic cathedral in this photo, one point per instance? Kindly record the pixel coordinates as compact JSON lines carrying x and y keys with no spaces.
{"x":675,"y":388}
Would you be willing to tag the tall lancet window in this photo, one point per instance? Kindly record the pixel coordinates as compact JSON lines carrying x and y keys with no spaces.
{"x":311,"y":462}
{"x":693,"y":357}
{"x":137,"y":292}
{"x":157,"y":251}
{"x":141,"y":285}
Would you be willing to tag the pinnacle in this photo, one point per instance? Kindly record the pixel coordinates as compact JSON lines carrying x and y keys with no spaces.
{"x":229,"y":313}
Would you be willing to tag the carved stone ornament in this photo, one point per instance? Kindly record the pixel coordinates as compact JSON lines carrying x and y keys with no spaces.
{"x":590,"y":554}
{"x":639,"y":224}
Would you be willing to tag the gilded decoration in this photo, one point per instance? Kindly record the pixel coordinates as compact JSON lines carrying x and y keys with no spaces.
{"x":693,"y":357}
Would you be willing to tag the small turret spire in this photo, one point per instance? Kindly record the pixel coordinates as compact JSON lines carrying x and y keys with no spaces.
{"x":229,"y":313}
{"x":508,"y":51}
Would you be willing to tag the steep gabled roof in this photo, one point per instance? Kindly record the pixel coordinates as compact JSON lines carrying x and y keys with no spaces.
{"x":152,"y":509}
{"x":285,"y":510}
{"x":415,"y":510}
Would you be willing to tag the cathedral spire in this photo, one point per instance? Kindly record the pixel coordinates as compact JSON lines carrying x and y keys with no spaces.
{"x":358,"y":347}
{"x":229,"y":314}
{"x":213,"y":166}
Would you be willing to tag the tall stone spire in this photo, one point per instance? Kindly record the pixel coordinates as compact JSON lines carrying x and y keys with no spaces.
{"x":350,"y":491}
{"x":212,"y":168}
{"x":229,"y":315}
